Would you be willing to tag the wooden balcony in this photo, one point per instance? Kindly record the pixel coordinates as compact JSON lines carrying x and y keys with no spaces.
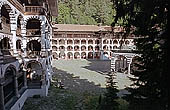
{"x":34,"y":10}
{"x":18,"y":32}
{"x":36,"y":54}
{"x":33,"y":32}
{"x":5,"y":25}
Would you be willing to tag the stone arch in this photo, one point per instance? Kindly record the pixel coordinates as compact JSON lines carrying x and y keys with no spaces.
{"x":76,"y":48}
{"x":70,"y":55}
{"x":35,"y":74}
{"x":5,"y":10}
{"x":5,"y":46}
{"x":54,"y":48}
{"x":62,"y":48}
{"x":9,"y":88}
{"x":69,"y":48}
{"x":76,"y":55}
{"x":115,"y":47}
{"x":76,"y":41}
{"x":69,"y":41}
{"x":115,"y":42}
{"x":90,"y":55}
{"x":97,"y":55}
{"x":105,"y":41}
{"x":33,"y":27}
{"x":32,"y":17}
{"x":62,"y":54}
{"x":33,"y":48}
{"x":121,"y":63}
{"x":90,"y":48}
{"x":97,"y":48}
{"x":97,"y":41}
{"x":34,"y":45}
{"x":18,"y":44}
{"x":83,"y":55}
{"x":127,"y":42}
{"x":83,"y":41}
{"x":121,"y":42}
{"x":106,"y":55}
{"x":54,"y":42}
{"x":105,"y":48}
{"x":83,"y":48}
{"x":55,"y":55}
{"x":61,"y":42}
{"x":90,"y":41}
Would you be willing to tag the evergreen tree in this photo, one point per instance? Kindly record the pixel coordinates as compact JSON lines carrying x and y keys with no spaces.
{"x":109,"y":100}
{"x":148,"y":18}
{"x":85,"y":12}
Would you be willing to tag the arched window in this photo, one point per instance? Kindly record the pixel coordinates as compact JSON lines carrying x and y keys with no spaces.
{"x":5,"y":18}
{"x":33,"y":27}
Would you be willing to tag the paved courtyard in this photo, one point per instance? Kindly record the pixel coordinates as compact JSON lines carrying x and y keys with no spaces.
{"x":86,"y":75}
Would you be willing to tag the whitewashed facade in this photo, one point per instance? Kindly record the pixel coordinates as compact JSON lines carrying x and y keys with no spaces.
{"x":25,"y":51}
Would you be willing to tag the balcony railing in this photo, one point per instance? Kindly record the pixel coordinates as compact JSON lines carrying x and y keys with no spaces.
{"x":34,"y":10}
{"x":35,"y":54}
{"x":18,"y":32}
{"x":33,"y":32}
{"x":7,"y":51}
{"x":5,"y":25}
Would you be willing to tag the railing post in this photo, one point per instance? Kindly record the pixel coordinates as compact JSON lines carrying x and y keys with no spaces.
{"x":2,"y":107}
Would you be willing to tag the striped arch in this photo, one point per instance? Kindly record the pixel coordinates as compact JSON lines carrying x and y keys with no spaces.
{"x":7,"y":6}
{"x":33,"y":38}
{"x":32,"y":17}
{"x":12,"y":67}
{"x":21,"y":17}
{"x":35,"y":62}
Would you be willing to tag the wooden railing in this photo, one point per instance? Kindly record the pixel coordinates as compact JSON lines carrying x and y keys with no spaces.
{"x":7,"y":51}
{"x":34,"y":10}
{"x":35,"y":54}
{"x":18,"y":32}
{"x":5,"y":24}
{"x":31,"y":32}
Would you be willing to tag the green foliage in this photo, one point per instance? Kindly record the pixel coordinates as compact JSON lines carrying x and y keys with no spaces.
{"x":90,"y":101}
{"x":108,"y":102}
{"x":149,"y":20}
{"x":123,"y":104}
{"x":85,"y":12}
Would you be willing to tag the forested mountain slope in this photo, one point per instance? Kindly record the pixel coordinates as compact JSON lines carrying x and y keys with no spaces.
{"x":85,"y":12}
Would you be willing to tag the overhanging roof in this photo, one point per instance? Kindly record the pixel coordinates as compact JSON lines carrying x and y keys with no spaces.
{"x":53,"y":5}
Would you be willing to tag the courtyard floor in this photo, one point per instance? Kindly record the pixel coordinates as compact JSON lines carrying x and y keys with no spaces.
{"x":84,"y":81}
{"x":93,"y":71}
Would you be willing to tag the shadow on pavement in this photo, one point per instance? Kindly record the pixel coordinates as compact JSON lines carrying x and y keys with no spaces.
{"x":75,"y":84}
{"x":100,"y":66}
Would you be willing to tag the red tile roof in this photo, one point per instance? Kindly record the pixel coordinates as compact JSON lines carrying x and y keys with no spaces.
{"x":78,"y":28}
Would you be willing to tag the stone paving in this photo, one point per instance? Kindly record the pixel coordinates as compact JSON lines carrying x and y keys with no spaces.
{"x":91,"y":71}
{"x":84,"y":83}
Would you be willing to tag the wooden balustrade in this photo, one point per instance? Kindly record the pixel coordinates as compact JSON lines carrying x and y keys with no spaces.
{"x":31,"y":32}
{"x":34,"y":10}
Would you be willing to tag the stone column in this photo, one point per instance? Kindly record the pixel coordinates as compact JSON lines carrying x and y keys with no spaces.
{"x":25,"y":79}
{"x":16,"y":86}
{"x":2,"y":106}
{"x":130,"y":61}
{"x":43,"y":35}
{"x":113,"y":64}
{"x":13,"y":22}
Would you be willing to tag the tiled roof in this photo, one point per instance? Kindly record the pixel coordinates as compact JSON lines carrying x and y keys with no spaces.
{"x":75,"y":28}
{"x":53,"y":7}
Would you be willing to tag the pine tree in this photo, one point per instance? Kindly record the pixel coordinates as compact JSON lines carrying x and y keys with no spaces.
{"x":109,"y":100}
{"x":149,"y":20}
